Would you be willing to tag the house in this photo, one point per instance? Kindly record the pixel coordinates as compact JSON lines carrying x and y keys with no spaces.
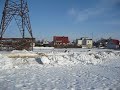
{"x":102,"y":43}
{"x":89,"y":43}
{"x":60,"y":41}
{"x":45,"y":43}
{"x":113,"y":44}
{"x":79,"y":42}
{"x":84,"y":42}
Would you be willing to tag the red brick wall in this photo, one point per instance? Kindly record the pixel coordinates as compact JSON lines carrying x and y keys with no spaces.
{"x":60,"y":39}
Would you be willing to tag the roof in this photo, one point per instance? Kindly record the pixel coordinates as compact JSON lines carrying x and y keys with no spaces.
{"x":115,"y":41}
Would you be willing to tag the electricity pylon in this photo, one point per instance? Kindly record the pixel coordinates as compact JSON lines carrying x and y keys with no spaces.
{"x":17,"y":9}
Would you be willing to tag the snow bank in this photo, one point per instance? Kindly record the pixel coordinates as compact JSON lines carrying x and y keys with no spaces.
{"x":37,"y":48}
{"x":87,"y":57}
{"x":57,"y":58}
{"x":93,"y":57}
{"x":21,"y":54}
{"x":19,"y":51}
{"x":10,"y":63}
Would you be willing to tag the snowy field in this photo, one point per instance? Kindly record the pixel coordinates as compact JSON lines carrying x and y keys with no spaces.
{"x":60,"y":69}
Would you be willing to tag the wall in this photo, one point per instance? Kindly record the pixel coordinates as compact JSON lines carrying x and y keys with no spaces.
{"x":89,"y":43}
{"x":79,"y":42}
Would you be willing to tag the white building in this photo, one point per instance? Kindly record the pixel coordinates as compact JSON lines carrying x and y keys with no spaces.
{"x":79,"y":42}
{"x":89,"y":43}
{"x":84,"y":42}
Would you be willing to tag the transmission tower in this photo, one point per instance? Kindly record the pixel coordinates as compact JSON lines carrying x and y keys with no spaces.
{"x":17,"y":9}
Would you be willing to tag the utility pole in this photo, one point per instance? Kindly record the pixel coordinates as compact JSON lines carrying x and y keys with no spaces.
{"x":17,"y":9}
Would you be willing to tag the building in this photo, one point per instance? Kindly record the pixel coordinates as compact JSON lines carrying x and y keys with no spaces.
{"x":89,"y":43}
{"x":45,"y":43}
{"x":60,"y":41}
{"x":84,"y":42}
{"x":113,"y":44}
{"x":102,"y":43}
{"x":79,"y":42}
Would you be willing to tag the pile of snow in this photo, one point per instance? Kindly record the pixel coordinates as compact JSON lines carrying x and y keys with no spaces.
{"x":22,"y":52}
{"x":94,"y":57}
{"x":19,"y":51}
{"x":38,"y":48}
{"x":91,"y":57}
{"x":19,"y":59}
{"x":10,"y":63}
{"x":57,"y":58}
{"x":45,"y":60}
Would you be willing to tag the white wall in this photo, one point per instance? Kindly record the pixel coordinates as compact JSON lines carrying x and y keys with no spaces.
{"x":79,"y":42}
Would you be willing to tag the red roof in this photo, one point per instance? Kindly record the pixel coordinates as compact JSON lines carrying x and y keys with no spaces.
{"x":115,"y":41}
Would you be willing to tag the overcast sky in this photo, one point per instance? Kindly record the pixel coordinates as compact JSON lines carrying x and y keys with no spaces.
{"x":72,"y":18}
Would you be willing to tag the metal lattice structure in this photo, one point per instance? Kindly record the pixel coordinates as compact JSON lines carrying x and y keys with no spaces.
{"x":18,"y":10}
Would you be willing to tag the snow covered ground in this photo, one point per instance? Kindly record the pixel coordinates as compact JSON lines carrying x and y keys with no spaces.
{"x":60,"y":69}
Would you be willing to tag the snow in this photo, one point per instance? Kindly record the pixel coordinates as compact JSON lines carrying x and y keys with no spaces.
{"x":37,"y":48}
{"x":45,"y":60}
{"x":60,"y":69}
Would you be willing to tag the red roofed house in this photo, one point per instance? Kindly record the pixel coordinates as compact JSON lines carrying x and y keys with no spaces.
{"x":113,"y":44}
{"x":60,"y":41}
